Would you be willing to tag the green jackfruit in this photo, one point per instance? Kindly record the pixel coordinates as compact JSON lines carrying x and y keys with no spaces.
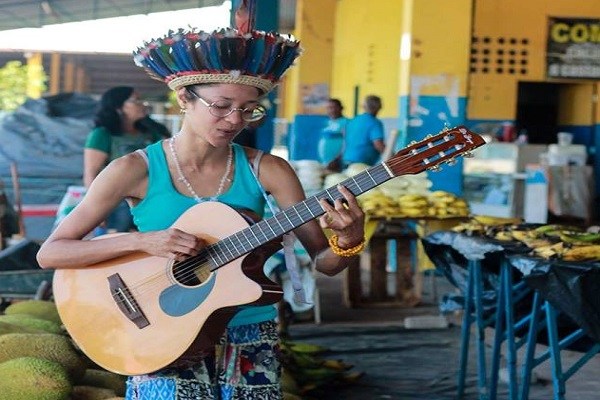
{"x":5,"y":328}
{"x":104,"y":379}
{"x":30,"y":378}
{"x":32,"y":322}
{"x":57,"y":348}
{"x":91,"y":393}
{"x":36,"y":308}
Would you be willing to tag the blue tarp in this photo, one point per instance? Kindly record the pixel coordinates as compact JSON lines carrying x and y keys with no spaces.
{"x":45,"y":139}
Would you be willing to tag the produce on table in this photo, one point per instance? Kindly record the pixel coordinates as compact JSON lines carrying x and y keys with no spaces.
{"x":437,"y":204}
{"x":6,"y":327}
{"x":28,"y":321}
{"x":52,"y":347}
{"x":550,"y":241}
{"x":28,"y":378}
{"x":42,"y":309}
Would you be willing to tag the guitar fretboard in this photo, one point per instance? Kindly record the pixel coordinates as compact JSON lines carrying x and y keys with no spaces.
{"x":246,"y":240}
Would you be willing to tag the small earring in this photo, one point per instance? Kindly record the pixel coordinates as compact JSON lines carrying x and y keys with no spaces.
{"x":182,"y":110}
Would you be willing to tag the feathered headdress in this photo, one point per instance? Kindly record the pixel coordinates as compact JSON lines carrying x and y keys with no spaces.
{"x":242,"y":55}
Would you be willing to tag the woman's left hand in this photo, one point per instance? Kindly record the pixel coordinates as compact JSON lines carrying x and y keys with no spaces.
{"x":345,"y":219}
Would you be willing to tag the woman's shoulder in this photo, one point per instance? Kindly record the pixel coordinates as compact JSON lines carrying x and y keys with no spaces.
{"x":130,"y":167}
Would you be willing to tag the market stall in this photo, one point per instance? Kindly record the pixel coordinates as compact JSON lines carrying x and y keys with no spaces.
{"x":511,"y":274}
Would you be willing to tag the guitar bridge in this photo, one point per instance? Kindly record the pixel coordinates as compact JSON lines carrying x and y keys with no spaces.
{"x":125,"y":301}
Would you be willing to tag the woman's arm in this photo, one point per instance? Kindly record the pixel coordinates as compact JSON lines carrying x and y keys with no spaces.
{"x":123,"y":178}
{"x":93,"y":162}
{"x":345,"y":220}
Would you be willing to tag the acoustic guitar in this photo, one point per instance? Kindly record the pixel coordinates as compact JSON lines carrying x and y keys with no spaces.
{"x":139,"y":313}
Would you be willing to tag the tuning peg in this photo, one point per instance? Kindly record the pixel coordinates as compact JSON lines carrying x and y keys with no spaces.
{"x":468,"y":154}
{"x":428,"y":136}
{"x":451,"y":162}
{"x":413,"y":142}
{"x":435,"y":168}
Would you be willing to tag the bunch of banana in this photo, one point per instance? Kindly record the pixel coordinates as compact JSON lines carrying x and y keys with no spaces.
{"x":504,"y":236}
{"x":444,"y":204}
{"x":470,"y":228}
{"x":378,"y":204}
{"x":582,"y":253}
{"x":554,"y":230}
{"x":305,"y":371}
{"x":489,"y":220}
{"x":579,"y":238}
{"x":550,"y":251}
{"x":413,"y":205}
{"x":529,"y":237}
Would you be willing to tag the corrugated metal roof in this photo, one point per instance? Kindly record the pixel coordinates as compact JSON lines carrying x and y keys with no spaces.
{"x":102,"y":71}
{"x":15,"y":14}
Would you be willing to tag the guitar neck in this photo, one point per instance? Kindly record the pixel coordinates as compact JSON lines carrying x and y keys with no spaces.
{"x":246,"y":240}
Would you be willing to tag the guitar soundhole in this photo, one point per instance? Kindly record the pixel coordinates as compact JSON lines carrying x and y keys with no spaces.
{"x":191,"y":275}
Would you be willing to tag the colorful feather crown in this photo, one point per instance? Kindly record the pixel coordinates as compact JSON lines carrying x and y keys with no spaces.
{"x":188,"y":57}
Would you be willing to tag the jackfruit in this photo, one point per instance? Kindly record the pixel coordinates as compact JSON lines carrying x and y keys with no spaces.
{"x":36,"y":308}
{"x":32,"y":322}
{"x":49,"y":346}
{"x":5,"y":328}
{"x":28,"y":378}
{"x":91,"y":393}
{"x":104,"y":379}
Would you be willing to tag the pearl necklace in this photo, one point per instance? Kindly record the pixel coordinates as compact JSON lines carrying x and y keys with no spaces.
{"x":183,"y":179}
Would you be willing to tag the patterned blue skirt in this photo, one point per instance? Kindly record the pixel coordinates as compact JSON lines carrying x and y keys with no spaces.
{"x":245,"y":366}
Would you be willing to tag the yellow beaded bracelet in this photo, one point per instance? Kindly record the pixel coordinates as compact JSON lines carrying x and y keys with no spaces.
{"x":352,"y":251}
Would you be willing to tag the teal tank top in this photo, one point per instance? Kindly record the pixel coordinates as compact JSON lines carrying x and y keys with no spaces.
{"x":243,"y":193}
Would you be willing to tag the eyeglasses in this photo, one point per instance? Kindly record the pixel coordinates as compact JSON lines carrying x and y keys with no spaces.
{"x":222,"y":108}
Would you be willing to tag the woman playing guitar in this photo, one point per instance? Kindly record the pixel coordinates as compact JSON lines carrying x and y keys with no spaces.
{"x":166,"y":184}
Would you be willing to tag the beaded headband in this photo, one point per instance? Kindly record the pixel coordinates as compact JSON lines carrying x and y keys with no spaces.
{"x":188,"y":57}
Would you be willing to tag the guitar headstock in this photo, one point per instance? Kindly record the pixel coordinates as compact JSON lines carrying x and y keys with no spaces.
{"x":434,"y":150}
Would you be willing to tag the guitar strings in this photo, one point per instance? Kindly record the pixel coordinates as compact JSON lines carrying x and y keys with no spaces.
{"x":191,"y":264}
{"x":392,"y":162}
{"x":187,"y":268}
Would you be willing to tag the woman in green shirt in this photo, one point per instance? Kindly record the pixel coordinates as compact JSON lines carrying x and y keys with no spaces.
{"x":120,"y":128}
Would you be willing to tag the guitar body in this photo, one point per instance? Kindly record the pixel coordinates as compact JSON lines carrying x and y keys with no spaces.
{"x":133,"y":315}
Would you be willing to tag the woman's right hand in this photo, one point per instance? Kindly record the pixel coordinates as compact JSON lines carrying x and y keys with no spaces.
{"x":171,"y":243}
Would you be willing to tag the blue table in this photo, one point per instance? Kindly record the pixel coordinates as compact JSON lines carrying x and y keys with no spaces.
{"x":566,"y":287}
{"x":479,"y":268}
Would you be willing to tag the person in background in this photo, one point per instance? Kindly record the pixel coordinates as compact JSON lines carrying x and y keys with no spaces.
{"x":364,"y":139}
{"x":332,"y":136}
{"x":122,"y":125}
{"x":199,"y":164}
